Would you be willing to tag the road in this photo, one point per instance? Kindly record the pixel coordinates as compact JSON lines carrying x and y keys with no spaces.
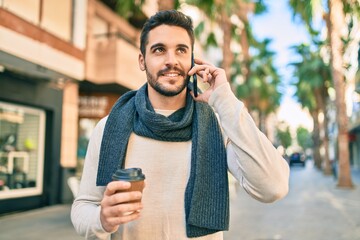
{"x":314,"y":209}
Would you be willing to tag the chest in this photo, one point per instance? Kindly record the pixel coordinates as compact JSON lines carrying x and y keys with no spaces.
{"x":159,"y":160}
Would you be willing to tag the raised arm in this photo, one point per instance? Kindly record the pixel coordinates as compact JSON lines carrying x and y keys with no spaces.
{"x":252,"y":158}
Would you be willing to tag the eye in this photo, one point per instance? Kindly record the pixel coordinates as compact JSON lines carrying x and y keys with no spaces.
{"x":159,"y":50}
{"x":182,"y":50}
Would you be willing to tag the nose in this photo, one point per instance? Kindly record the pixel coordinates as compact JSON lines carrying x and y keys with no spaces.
{"x":171,"y":59}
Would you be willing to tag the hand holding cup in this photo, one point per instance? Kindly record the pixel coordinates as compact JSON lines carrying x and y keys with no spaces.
{"x":122,"y":199}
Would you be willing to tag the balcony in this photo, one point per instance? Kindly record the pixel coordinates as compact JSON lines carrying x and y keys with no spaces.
{"x":114,"y":60}
{"x":112,"y":50}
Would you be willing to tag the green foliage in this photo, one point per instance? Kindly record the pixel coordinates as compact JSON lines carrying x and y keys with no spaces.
{"x":284,"y":137}
{"x":303,"y":137}
{"x":199,"y":29}
{"x":128,"y":9}
{"x":260,"y":7}
{"x":261,"y":84}
{"x":211,"y":40}
{"x":310,"y":74}
{"x":303,"y":11}
{"x":261,"y":87}
{"x":351,"y":7}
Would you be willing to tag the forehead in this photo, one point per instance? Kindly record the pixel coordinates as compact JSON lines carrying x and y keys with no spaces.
{"x":168,"y":35}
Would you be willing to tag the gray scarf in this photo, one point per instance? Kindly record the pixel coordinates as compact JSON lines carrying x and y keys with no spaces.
{"x":207,"y":193}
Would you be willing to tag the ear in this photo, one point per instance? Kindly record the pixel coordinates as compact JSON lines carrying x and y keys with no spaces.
{"x":141,"y":62}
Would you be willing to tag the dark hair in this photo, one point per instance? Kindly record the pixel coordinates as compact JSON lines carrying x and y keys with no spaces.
{"x":167,"y":17}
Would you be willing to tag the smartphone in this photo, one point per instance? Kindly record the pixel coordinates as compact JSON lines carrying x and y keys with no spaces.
{"x":195,"y":88}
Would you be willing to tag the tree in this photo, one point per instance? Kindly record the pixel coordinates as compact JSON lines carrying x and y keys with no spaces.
{"x":303,"y":138}
{"x":260,"y":90}
{"x":313,"y":79}
{"x":284,"y":137}
{"x":306,"y":98}
{"x":221,"y":13}
{"x":336,"y":18}
{"x":335,"y":26}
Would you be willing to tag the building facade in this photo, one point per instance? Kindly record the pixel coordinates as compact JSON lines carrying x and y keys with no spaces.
{"x":42,"y":59}
{"x":62,"y":67}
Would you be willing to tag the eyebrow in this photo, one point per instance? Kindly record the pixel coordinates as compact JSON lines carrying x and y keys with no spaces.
{"x":162,"y":45}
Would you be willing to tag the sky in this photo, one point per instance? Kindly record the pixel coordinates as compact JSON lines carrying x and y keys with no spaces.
{"x":277,"y":24}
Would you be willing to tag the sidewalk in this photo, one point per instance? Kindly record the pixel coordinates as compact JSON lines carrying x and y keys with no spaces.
{"x":45,"y":223}
{"x":314,"y":207}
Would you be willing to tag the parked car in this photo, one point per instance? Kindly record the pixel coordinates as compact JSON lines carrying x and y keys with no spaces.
{"x":297,"y":158}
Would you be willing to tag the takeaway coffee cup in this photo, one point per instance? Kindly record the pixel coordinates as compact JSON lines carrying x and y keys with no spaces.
{"x":132,"y":175}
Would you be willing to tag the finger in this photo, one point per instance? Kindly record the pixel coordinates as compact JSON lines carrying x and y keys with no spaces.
{"x":200,"y":68}
{"x":202,"y":62}
{"x":120,"y":210}
{"x":127,"y":208}
{"x":205,"y":75}
{"x":124,"y":197}
{"x":196,"y":69}
{"x":115,"y":186}
{"x":124,"y":219}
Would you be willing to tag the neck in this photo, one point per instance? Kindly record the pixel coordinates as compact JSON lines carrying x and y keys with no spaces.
{"x":159,"y":101}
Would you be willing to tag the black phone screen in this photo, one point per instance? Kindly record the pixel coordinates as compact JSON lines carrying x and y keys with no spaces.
{"x":195,"y":89}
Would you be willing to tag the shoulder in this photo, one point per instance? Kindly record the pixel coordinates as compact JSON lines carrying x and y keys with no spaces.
{"x":101,"y":124}
{"x":99,"y":128}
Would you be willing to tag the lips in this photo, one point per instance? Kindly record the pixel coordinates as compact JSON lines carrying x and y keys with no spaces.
{"x":171,"y":72}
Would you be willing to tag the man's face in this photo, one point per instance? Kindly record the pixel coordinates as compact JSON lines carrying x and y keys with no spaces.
{"x":167,"y":59}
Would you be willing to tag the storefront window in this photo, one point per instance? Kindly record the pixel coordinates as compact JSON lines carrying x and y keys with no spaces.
{"x":22,"y":132}
{"x":86,"y":126}
{"x":92,"y":108}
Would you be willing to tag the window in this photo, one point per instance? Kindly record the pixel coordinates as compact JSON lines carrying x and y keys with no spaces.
{"x":57,"y":18}
{"x":29,"y":9}
{"x":52,"y":15}
{"x":22,"y":135}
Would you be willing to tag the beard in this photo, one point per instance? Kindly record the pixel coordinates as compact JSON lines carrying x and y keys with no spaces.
{"x":160,"y":88}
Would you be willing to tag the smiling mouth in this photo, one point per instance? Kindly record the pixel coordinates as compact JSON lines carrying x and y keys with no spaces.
{"x":171,"y":74}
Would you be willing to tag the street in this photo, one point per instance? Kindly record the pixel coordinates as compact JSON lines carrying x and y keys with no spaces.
{"x":314,"y":209}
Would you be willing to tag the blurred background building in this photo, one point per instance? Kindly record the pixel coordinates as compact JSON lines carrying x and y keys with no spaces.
{"x":42,"y":57}
{"x":62,"y":66}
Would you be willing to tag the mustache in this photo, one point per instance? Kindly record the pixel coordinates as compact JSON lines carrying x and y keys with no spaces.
{"x":163,"y":71}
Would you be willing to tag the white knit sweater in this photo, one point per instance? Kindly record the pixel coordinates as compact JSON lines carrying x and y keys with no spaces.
{"x":252,"y":160}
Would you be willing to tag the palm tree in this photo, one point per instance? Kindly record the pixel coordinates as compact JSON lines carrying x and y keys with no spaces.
{"x":259,"y":73}
{"x":260,"y":90}
{"x":336,"y":19}
{"x":217,"y":12}
{"x":221,"y":12}
{"x":335,"y":25}
{"x":313,"y":80}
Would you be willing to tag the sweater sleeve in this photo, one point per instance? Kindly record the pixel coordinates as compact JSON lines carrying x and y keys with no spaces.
{"x":252,"y":159}
{"x":85,"y":211}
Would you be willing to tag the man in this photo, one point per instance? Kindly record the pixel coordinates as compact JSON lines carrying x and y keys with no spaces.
{"x":176,"y":139}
